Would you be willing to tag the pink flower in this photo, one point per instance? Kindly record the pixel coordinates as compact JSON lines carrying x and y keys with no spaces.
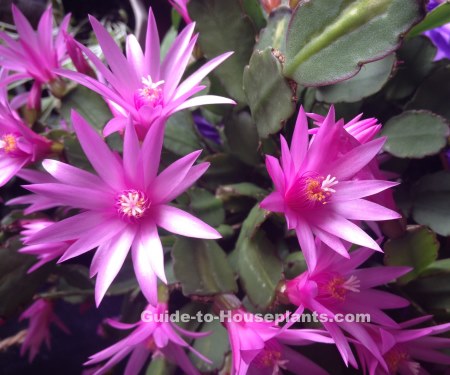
{"x":150,"y":338}
{"x":258,"y":346}
{"x":45,"y":252}
{"x":19,"y":145}
{"x":404,"y":349}
{"x":181,"y":7}
{"x":36,"y":53}
{"x":335,"y":287}
{"x":139,"y":84}
{"x":121,"y":206}
{"x":316,"y":190}
{"x":41,"y":315}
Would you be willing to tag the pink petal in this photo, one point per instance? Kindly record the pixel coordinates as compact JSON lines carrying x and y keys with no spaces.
{"x":273,"y":202}
{"x":275,"y":173}
{"x":110,"y":266}
{"x":361,"y":209}
{"x":306,"y":240}
{"x":152,"y":49}
{"x":151,"y":151}
{"x":349,"y":190}
{"x":131,"y":154}
{"x":137,"y":360}
{"x":353,"y":161}
{"x":151,"y":244}
{"x":102,"y":159}
{"x":172,"y":176}
{"x":205,"y":100}
{"x":135,"y":56}
{"x":180,"y":222}
{"x":299,"y":143}
{"x":144,"y":273}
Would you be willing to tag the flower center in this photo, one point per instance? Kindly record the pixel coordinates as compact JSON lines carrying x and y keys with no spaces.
{"x":8,"y":143}
{"x":310,"y":190}
{"x":397,"y":358}
{"x":151,"y":94}
{"x":132,"y":204}
{"x":270,"y":357}
{"x":338,"y":287}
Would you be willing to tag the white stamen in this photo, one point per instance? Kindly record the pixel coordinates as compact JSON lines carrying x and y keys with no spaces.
{"x":149,"y":82}
{"x":2,"y":144}
{"x":353,"y":284}
{"x":328,"y":183}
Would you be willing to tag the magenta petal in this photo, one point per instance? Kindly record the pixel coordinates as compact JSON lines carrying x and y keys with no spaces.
{"x":152,"y":49}
{"x":204,"y":100}
{"x":131,"y":154}
{"x":172,"y":176}
{"x":144,"y":272}
{"x":299,"y":143}
{"x":177,"y":221}
{"x":151,"y":151}
{"x":353,"y":161}
{"x":306,"y":240}
{"x":110,"y":266}
{"x":361,"y":209}
{"x":137,"y":360}
{"x":375,"y":276}
{"x":67,"y":229}
{"x":273,"y":202}
{"x":102,"y":159}
{"x":275,"y":173}
{"x":191,"y":177}
{"x":151,"y":244}
{"x":349,"y":190}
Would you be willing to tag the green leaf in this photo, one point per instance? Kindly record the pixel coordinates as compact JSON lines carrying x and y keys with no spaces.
{"x":274,"y":35}
{"x":269,"y":95}
{"x":201,"y":267}
{"x":88,"y":104}
{"x":258,"y":265}
{"x":418,"y":248}
{"x":415,"y":134}
{"x":224,"y":169}
{"x":369,"y":80}
{"x":242,"y":137}
{"x":328,"y":41}
{"x":75,"y":154}
{"x":432,"y":94}
{"x":254,"y":10}
{"x":416,"y":56}
{"x":245,"y":189}
{"x":76,"y":276}
{"x":214,"y":347}
{"x":17,"y":287}
{"x":180,"y":135}
{"x":294,"y":265}
{"x":167,"y":42}
{"x":259,"y":269}
{"x":437,"y":17}
{"x":431,"y":202}
{"x":206,"y":206}
{"x":224,"y":27}
{"x":160,"y":366}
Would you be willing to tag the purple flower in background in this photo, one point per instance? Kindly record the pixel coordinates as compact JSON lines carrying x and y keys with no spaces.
{"x":122,"y":205}
{"x":139,"y":85}
{"x":40,"y":315}
{"x":439,"y":36}
{"x":206,"y":129}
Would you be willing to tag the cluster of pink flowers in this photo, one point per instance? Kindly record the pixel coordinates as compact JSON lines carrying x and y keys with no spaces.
{"x":327,"y":184}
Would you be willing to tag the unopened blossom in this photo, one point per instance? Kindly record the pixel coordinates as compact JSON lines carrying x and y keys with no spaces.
{"x":258,"y":346}
{"x":405,"y":349}
{"x":35,"y":53}
{"x":337,"y":286}
{"x":19,"y":145}
{"x":138,"y":84}
{"x":152,"y":338}
{"x":181,"y":7}
{"x":121,"y":205}
{"x":45,"y":252}
{"x":316,"y":189}
{"x":40,"y":315}
{"x":440,"y":36}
